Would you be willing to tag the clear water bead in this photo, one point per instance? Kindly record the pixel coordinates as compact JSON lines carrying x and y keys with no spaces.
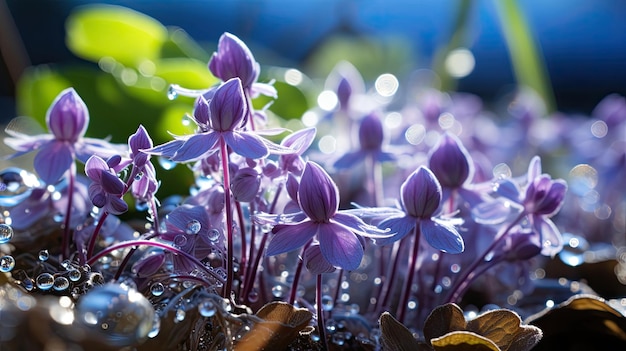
{"x":121,"y":315}
{"x":44,"y":255}
{"x":157,"y":289}
{"x":74,"y":275}
{"x":207,"y":308}
{"x":16,"y":184}
{"x":61,"y":283}
{"x":193,"y":227}
{"x":45,"y":281}
{"x":6,"y":233}
{"x":7,"y":263}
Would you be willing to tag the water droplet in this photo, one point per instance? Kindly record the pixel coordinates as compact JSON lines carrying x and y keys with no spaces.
{"x":172,"y":94}
{"x":142,"y":206}
{"x":213,"y":234}
{"x":207,"y":308}
{"x":339,"y":339}
{"x":327,"y":303}
{"x":74,"y":275}
{"x":156,"y":327}
{"x":193,"y":227}
{"x":58,"y":217}
{"x":180,"y":315}
{"x":166,"y":163}
{"x":278,"y":291}
{"x":157,"y":289}
{"x":574,"y":250}
{"x":6,"y":233}
{"x":138,"y":176}
{"x":16,"y":185}
{"x":253,"y":296}
{"x":119,"y":314}
{"x":45,"y":281}
{"x":44,"y":255}
{"x":180,"y":240}
{"x":7,"y":263}
{"x":61,"y":283}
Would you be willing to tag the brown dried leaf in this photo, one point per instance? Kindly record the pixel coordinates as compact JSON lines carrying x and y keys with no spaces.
{"x":443,"y":320}
{"x":395,"y":336}
{"x":463,"y":341}
{"x":281,"y":325}
{"x":504,"y":328}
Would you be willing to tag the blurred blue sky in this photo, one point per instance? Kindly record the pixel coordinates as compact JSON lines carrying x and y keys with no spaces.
{"x":583,"y":41}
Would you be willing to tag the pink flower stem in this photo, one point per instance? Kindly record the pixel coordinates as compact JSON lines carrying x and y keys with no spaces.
{"x":412,"y":269}
{"x":65,"y":241}
{"x":296,"y":277}
{"x":389,"y":278}
{"x":320,"y":312}
{"x":229,"y":221}
{"x":472,"y":271}
{"x":243,"y":261}
{"x":94,"y":235}
{"x":135,"y":243}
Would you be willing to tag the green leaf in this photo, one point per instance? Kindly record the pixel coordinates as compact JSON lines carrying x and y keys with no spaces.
{"x":36,"y":89}
{"x":129,"y":37}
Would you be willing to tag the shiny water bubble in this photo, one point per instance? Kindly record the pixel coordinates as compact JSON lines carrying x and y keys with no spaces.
{"x":278,"y":291}
{"x":166,"y":163}
{"x":193,"y":227}
{"x":45,"y":281}
{"x":16,"y":185}
{"x":6,"y":233}
{"x":7,"y":263}
{"x":213,"y":234}
{"x":207,"y":308}
{"x":61,"y":283}
{"x":74,"y":275}
{"x":180,"y":240}
{"x":157,"y":289}
{"x":327,"y":303}
{"x":574,"y":249}
{"x":119,"y":314}
{"x":44,"y":255}
{"x":180,"y":315}
{"x":156,"y":327}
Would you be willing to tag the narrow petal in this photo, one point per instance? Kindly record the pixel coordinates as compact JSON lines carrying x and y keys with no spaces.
{"x":398,"y":226}
{"x":340,"y":246}
{"x":196,"y":146}
{"x":167,"y":150}
{"x":358,"y":226}
{"x":246,"y":144}
{"x":551,"y":238}
{"x":442,"y":236}
{"x":290,"y":237}
{"x":53,"y":161}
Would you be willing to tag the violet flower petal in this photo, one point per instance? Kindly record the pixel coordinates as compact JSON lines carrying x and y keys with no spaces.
{"x":52,"y":161}
{"x":442,"y":236}
{"x":317,"y":193}
{"x":290,"y":237}
{"x":398,"y":226}
{"x":339,"y":246}
{"x":246,"y":144}
{"x":197,"y":146}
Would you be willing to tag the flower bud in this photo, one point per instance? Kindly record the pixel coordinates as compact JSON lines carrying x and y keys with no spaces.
{"x":544,"y":196}
{"x":421,"y":193}
{"x":450,"y":162}
{"x":371,"y":133}
{"x":245,"y":184}
{"x":228,"y":107}
{"x":234,"y":59}
{"x":68,"y":116}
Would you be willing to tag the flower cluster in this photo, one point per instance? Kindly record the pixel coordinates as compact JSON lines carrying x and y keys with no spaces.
{"x":430,"y":202}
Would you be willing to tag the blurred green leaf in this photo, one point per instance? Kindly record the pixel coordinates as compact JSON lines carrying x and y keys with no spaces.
{"x":529,"y":67}
{"x":291,"y":102}
{"x":33,"y":97}
{"x":127,"y":36}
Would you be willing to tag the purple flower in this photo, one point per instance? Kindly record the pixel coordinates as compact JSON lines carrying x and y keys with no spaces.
{"x":245,"y":184}
{"x":106,"y":189}
{"x":233,"y":59}
{"x":420,"y":196}
{"x":221,"y":118}
{"x":338,"y":233}
{"x":450,"y":162}
{"x":144,"y":184}
{"x":299,"y":141}
{"x":67,"y":120}
{"x":371,"y":138}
